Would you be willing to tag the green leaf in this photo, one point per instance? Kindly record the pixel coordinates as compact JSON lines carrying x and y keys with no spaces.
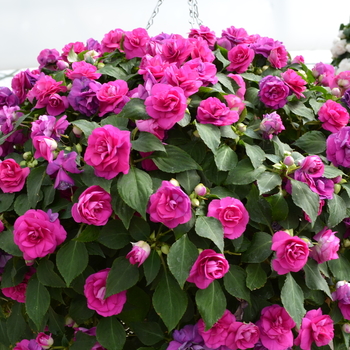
{"x":169,"y":301}
{"x":211,"y":303}
{"x":34,"y":183}
{"x":244,"y":173}
{"x":13,"y":273}
{"x":260,"y":248}
{"x":278,"y":206}
{"x":267,"y":181}
{"x":210,"y":134}
{"x":89,"y":234}
{"x":90,"y":179}
{"x":122,"y":276}
{"x":134,"y":109}
{"x":298,"y":108}
{"x":151,"y":266}
{"x":6,"y":200}
{"x":340,"y":268}
{"x":337,"y":211}
{"x":225,"y":158}
{"x":304,"y":198}
{"x":56,"y":322}
{"x":314,"y":279}
{"x":37,"y":301}
{"x":124,"y":212}
{"x":185,"y":120}
{"x":72,"y":259}
{"x":292,"y":298}
{"x":114,"y":235}
{"x":211,"y":228}
{"x":15,"y":324}
{"x":139,"y":229}
{"x":135,"y":189}
{"x":235,"y":283}
{"x":149,"y":333}
{"x":251,"y":77}
{"x":47,"y":276}
{"x":147,"y":142}
{"x":21,"y":204}
{"x":85,"y":126}
{"x":256,"y":276}
{"x":226,"y":82}
{"x":115,"y":120}
{"x":251,"y":95}
{"x":218,"y":54}
{"x":83,"y":341}
{"x":258,"y":208}
{"x":255,"y":154}
{"x":188,"y":180}
{"x":110,"y":333}
{"x":4,"y":339}
{"x":175,"y":161}
{"x":331,"y":172}
{"x":182,"y":255}
{"x":8,"y":245}
{"x":114,"y":72}
{"x":78,"y":309}
{"x":312,"y":142}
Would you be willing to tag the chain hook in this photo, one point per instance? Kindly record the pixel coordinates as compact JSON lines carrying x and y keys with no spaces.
{"x":154,"y":14}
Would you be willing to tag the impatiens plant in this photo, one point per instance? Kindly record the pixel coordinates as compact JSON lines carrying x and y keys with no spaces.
{"x":169,"y":193}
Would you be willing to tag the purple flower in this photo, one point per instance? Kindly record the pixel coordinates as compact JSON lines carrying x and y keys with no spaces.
{"x":49,"y":126}
{"x":92,"y":44}
{"x":338,"y":147}
{"x":342,"y":294}
{"x":62,"y":164}
{"x":273,"y":92}
{"x":48,"y":58}
{"x":8,"y":115}
{"x":8,"y":98}
{"x":82,"y":96}
{"x":346,"y":97}
{"x":271,"y":125}
{"x":264,"y":45}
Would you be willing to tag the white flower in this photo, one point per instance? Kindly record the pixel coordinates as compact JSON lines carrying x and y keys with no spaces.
{"x":347,"y":47}
{"x":344,"y":65}
{"x":338,"y":47}
{"x":341,"y":34}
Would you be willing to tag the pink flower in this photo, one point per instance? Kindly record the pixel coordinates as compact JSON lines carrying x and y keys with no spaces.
{"x":108,"y":151}
{"x":49,"y":126}
{"x":312,"y":166}
{"x":134,"y":43}
{"x":44,"y":146}
{"x":326,"y":247}
{"x":324,"y":73}
{"x":242,"y":335}
{"x":276,"y":328}
{"x":93,"y":207}
{"x":208,"y":267}
{"x":298,"y":59}
{"x":139,"y":253}
{"x":18,"y":292}
{"x":295,"y":82}
{"x":213,"y":111}
{"x":241,"y":85}
{"x":201,"y":50}
{"x":48,"y":58}
{"x":204,"y":33}
{"x":166,"y":104}
{"x":176,"y":49}
{"x":338,"y":145}
{"x":111,"y":41}
{"x":38,"y":233}
{"x":291,"y":253}
{"x":271,"y":125}
{"x":77,"y":47}
{"x":216,"y":335}
{"x":83,"y":69}
{"x":206,"y":71}
{"x":12,"y":176}
{"x":22,"y":345}
{"x":95,"y":290}
{"x":273,"y":92}
{"x":342,"y":294}
{"x":169,"y":205}
{"x":112,"y":96}
{"x":278,"y":56}
{"x":232,"y":214}
{"x":240,"y":56}
{"x":151,"y":126}
{"x":44,"y":340}
{"x":315,"y":327}
{"x":333,"y":116}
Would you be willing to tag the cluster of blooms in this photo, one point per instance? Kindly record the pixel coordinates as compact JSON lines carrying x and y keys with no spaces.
{"x":80,"y":112}
{"x":341,"y":49}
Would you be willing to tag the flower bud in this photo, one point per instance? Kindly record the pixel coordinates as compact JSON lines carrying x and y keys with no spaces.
{"x":139,"y":253}
{"x":346,"y":243}
{"x":27,"y":155}
{"x":165,"y":249}
{"x":62,"y":65}
{"x":29,"y":262}
{"x":241,"y":127}
{"x":195,"y":202}
{"x":337,"y":188}
{"x":44,"y":340}
{"x":77,"y":131}
{"x":336,"y":92}
{"x":175,"y":182}
{"x":195,"y":133}
{"x":100,"y":65}
{"x":78,"y":148}
{"x":346,"y":328}
{"x":23,"y":163}
{"x":200,"y":190}
{"x":289,"y":161}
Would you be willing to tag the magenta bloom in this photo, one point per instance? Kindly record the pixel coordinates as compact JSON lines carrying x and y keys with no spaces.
{"x":213,"y":111}
{"x":291,"y":253}
{"x":242,"y":335}
{"x":7,"y":97}
{"x":18,"y":292}
{"x":176,"y":49}
{"x":111,"y":41}
{"x":216,"y":335}
{"x":151,"y":126}
{"x":112,"y":96}
{"x":108,"y":151}
{"x":278,"y":56}
{"x":276,"y":328}
{"x":326,"y":247}
{"x":206,"y":71}
{"x":26,"y":344}
{"x":169,"y":205}
{"x":324,"y":73}
{"x":312,"y":166}
{"x":95,"y":290}
{"x":134,"y":43}
{"x":12,"y":176}
{"x":77,"y":47}
{"x":60,"y":166}
{"x":240,"y":56}
{"x":22,"y":82}
{"x":49,"y":126}
{"x":271,"y":125}
{"x":342,"y":294}
{"x":241,"y":85}
{"x":166,"y":104}
{"x":37,"y":233}
{"x":315,"y":327}
{"x":201,"y":50}
{"x":139,"y":253}
{"x":233,"y":36}
{"x":204,"y":33}
{"x":232,"y":214}
{"x":273,"y":92}
{"x":295,"y":82}
{"x":338,"y":147}
{"x":44,"y":340}
{"x":83,"y":69}
{"x":93,"y":207}
{"x":208,"y":267}
{"x":333,"y":116}
{"x":48,"y":58}
{"x":44,"y":146}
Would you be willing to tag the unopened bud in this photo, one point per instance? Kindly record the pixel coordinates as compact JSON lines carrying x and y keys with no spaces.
{"x":78,"y":147}
{"x":77,"y":131}
{"x":195,"y":202}
{"x":44,"y":340}
{"x":27,"y":155}
{"x":23,"y":163}
{"x":346,"y":328}
{"x":241,"y":127}
{"x":175,"y":182}
{"x":346,"y":243}
{"x":195,"y":133}
{"x":337,"y":188}
{"x":100,"y":65}
{"x":165,"y":249}
{"x":200,"y":190}
{"x":336,"y":92}
{"x":289,"y":161}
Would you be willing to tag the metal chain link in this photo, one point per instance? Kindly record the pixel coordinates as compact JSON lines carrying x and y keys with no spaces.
{"x":154,"y":14}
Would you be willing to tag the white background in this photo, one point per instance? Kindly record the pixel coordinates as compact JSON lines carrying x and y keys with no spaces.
{"x":29,"y":26}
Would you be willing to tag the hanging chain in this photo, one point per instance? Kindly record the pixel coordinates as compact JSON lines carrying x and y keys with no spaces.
{"x":154,"y":14}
